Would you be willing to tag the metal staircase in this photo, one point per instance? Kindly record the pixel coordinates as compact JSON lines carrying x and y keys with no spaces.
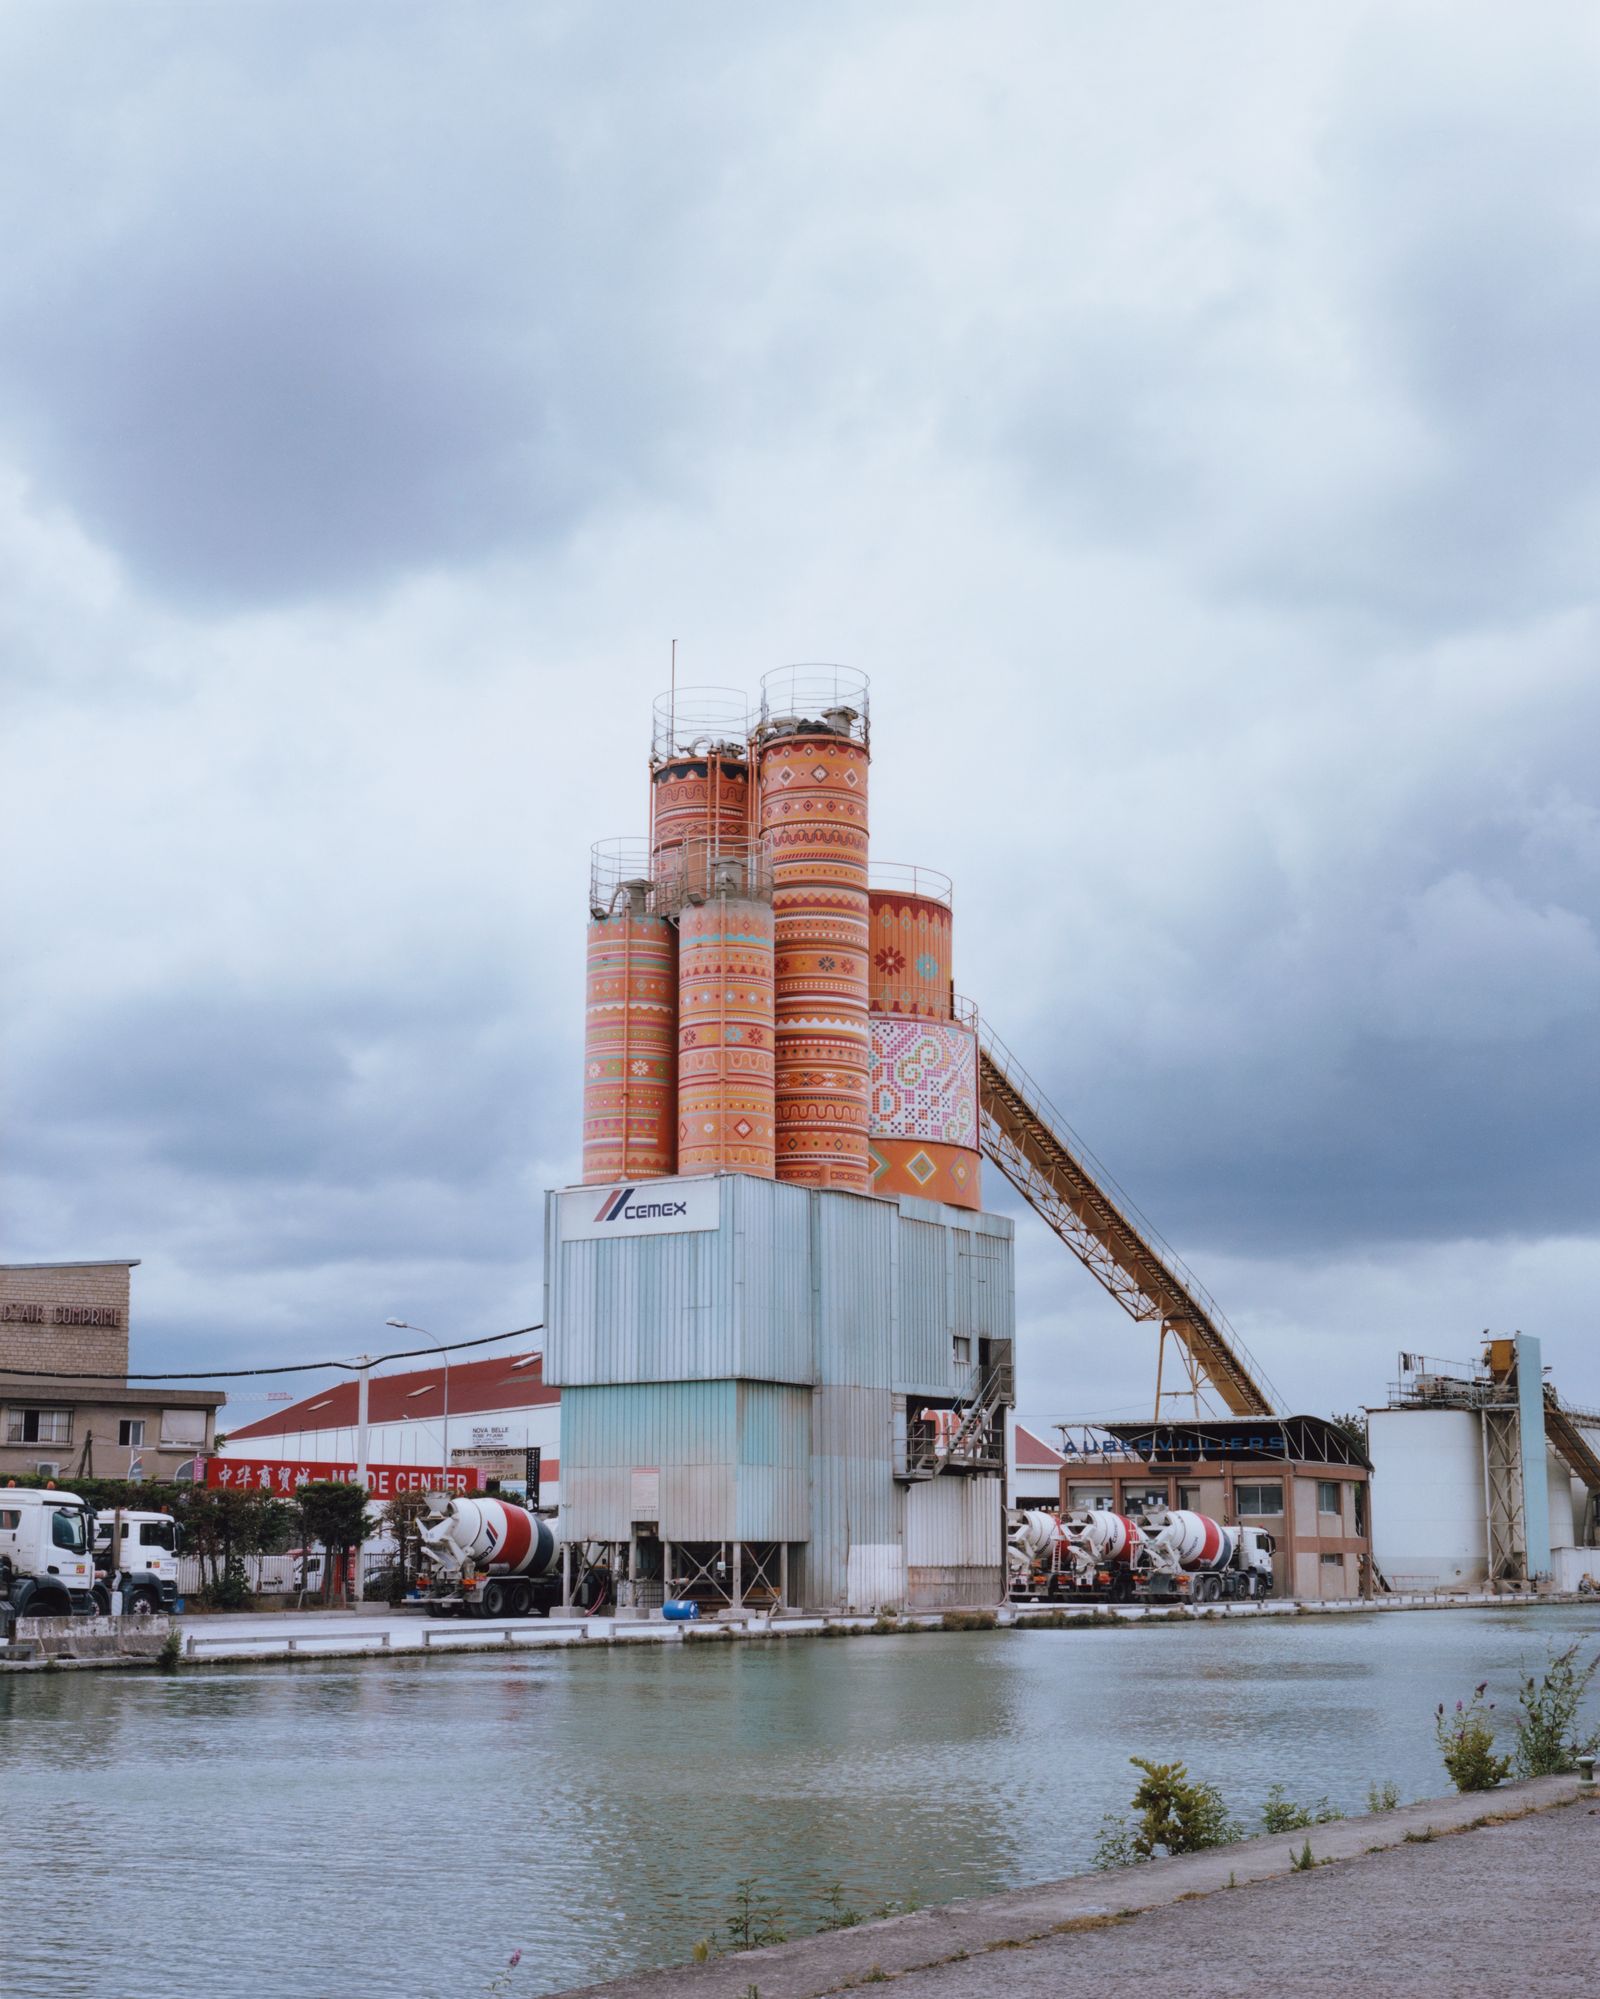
{"x":1059,"y":1178}
{"x":1569,"y":1442}
{"x":977,"y":1443}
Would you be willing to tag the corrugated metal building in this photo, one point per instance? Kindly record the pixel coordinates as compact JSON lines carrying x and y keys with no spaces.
{"x":782,"y":1392}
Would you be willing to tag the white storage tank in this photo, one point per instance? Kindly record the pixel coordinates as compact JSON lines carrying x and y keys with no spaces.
{"x":1428,"y":1524}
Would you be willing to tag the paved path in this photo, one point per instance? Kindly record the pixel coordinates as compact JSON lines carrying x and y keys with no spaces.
{"x":1508,"y":1909}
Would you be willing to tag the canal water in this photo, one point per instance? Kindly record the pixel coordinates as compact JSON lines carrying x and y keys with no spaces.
{"x":396,"y":1829}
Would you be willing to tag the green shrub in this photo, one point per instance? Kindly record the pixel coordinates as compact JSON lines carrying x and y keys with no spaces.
{"x":1281,"y":1814}
{"x":755,"y":1921}
{"x":1176,"y":1815}
{"x":1466,"y":1741}
{"x":968,"y":1620}
{"x":1547,"y":1743}
{"x":1383,"y":1797}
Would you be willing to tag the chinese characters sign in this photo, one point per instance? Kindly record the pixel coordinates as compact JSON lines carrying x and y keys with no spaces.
{"x":283,"y":1476}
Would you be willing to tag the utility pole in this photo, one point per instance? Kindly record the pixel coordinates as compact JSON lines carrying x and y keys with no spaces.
{"x":363,"y":1366}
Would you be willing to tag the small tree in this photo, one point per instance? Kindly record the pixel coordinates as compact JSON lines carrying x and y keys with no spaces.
{"x":334,"y":1515}
{"x":1177,"y":1815}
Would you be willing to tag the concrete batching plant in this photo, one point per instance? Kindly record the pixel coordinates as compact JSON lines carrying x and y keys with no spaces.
{"x":781,"y":1325}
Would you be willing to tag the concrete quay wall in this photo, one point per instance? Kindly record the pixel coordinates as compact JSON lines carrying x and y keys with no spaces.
{"x":1035,"y":1939}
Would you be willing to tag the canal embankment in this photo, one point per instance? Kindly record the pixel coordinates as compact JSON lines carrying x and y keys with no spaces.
{"x":1478,"y":1892}
{"x":379,"y":1631}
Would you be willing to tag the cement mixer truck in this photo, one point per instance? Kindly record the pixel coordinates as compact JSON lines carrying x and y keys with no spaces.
{"x":1172,"y":1556}
{"x":487,"y":1558}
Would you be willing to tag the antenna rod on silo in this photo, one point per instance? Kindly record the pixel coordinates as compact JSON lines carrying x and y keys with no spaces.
{"x":672,"y":709}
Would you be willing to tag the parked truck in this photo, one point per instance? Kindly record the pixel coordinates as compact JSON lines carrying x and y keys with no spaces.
{"x":1166,"y":1555}
{"x":46,"y":1563}
{"x":146,"y":1570}
{"x":486,"y":1557}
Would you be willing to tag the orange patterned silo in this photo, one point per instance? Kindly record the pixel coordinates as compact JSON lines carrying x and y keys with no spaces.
{"x":630,"y":1039}
{"x":812,"y":806}
{"x":725,"y":1022}
{"x":910,"y":915}
{"x":699,"y":778}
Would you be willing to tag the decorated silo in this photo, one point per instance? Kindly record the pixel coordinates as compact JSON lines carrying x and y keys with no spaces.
{"x":725,"y":1015}
{"x":909,"y":913}
{"x":924,"y":1131}
{"x":699,"y":781}
{"x":630,"y":1110}
{"x":812,"y":769}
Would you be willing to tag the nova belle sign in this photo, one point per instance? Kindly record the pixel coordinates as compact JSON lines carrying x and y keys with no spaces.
{"x":283,"y":1476}
{"x":644,"y":1207}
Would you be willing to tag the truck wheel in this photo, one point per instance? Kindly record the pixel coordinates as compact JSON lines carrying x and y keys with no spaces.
{"x":495,"y":1602}
{"x":142,"y":1603}
{"x":102,"y":1600}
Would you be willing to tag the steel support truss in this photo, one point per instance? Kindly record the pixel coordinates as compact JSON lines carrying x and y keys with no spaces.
{"x":1026,"y":1140}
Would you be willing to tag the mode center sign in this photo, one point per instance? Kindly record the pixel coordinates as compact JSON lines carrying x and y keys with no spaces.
{"x":643,"y":1207}
{"x":283,"y":1477}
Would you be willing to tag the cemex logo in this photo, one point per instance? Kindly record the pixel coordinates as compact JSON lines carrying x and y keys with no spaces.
{"x":615,"y":1207}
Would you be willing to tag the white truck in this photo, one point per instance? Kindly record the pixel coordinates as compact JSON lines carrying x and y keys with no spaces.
{"x":46,"y":1555}
{"x":487,"y":1558}
{"x":146,"y":1571}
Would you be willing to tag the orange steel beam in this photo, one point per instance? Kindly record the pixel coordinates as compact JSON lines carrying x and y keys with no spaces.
{"x":1569,"y":1441}
{"x":1020,"y":1135}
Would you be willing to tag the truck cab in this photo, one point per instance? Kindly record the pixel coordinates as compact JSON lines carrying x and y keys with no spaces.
{"x":46,"y":1564}
{"x":148,"y":1566}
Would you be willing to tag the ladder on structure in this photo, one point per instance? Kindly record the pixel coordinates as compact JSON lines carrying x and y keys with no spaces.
{"x":1033,"y":1147}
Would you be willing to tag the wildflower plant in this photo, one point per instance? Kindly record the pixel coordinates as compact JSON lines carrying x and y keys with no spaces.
{"x":1466,"y":1742}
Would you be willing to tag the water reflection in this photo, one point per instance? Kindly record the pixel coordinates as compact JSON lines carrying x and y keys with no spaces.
{"x":396,"y":1828}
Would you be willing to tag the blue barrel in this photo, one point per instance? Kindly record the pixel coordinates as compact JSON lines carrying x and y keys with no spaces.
{"x":680,"y":1609}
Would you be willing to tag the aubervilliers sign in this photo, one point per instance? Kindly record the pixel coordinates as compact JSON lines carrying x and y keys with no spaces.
{"x":282,"y":1477}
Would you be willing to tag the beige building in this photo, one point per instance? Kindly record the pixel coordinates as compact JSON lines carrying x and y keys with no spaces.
{"x":1303,"y":1479}
{"x":67,"y":1409}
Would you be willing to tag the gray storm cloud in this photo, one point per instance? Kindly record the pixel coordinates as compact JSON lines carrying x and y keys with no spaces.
{"x":1191,"y":426}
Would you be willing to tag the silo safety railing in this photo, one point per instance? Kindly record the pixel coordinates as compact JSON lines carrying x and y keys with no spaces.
{"x":1060,"y":1178}
{"x":901,"y":878}
{"x":700,"y":722}
{"x":814,"y":699}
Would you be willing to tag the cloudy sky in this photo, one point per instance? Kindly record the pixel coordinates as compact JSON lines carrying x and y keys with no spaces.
{"x":1190,"y":419}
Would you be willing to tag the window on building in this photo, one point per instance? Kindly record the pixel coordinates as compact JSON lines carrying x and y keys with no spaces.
{"x":38,"y":1426}
{"x":1361,"y":1509}
{"x":183,"y":1427}
{"x":961,"y":1350}
{"x":1189,"y":1498}
{"x":130,"y":1432}
{"x":1090,"y":1499}
{"x":1259,"y":1498}
{"x":1333,"y":1561}
{"x":1328,"y":1495}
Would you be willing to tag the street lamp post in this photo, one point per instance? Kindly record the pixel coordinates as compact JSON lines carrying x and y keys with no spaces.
{"x":405,"y":1326}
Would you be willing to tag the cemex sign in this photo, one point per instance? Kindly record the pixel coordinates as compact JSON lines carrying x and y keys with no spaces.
{"x":648,"y":1207}
{"x":283,"y":1476}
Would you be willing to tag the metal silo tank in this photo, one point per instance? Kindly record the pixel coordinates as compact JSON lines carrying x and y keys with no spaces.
{"x":699,"y":779}
{"x":725,"y":1013}
{"x":812,"y":767}
{"x":911,"y":941}
{"x":630,"y":1024}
